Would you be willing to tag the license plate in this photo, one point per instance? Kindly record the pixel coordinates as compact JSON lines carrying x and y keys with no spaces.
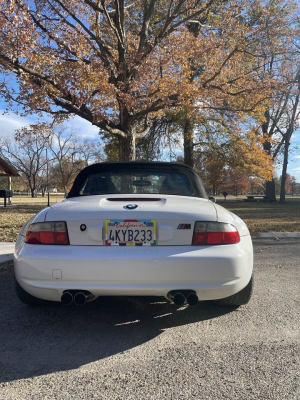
{"x":130,"y":232}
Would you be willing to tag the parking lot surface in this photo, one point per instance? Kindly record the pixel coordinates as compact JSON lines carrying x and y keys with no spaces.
{"x":147,"y":348}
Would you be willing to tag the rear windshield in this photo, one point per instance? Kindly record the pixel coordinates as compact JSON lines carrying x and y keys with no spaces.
{"x":135,"y":182}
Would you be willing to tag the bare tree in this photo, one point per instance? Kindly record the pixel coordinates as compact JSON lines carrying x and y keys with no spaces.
{"x":282,"y":119}
{"x":91,"y":151}
{"x":65,"y":148}
{"x":27,"y":153}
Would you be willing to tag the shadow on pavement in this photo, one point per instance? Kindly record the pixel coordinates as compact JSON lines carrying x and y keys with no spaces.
{"x":37,"y":341}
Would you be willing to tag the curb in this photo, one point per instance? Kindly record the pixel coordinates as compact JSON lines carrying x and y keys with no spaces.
{"x":6,"y":251}
{"x":272,"y":235}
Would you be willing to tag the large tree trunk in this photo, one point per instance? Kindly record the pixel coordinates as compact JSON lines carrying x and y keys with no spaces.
{"x":32,"y":189}
{"x":33,"y":192}
{"x":270,"y":185}
{"x":127,"y":148}
{"x":284,"y":167}
{"x":283,"y":177}
{"x":188,"y":143}
{"x":270,"y":190}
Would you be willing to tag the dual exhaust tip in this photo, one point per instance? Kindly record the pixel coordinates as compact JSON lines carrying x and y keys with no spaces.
{"x":78,"y":298}
{"x":178,"y":297}
{"x":181,"y":297}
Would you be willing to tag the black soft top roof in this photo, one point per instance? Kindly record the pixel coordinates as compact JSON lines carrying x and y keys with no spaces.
{"x":196,"y":182}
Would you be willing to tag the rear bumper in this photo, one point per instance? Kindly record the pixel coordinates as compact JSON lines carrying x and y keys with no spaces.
{"x":214,"y":272}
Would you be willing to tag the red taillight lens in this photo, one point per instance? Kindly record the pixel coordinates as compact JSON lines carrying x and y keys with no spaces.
{"x":47,"y":233}
{"x":214,"y":233}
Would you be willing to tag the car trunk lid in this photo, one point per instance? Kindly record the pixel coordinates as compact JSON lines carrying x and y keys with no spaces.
{"x":88,"y":218}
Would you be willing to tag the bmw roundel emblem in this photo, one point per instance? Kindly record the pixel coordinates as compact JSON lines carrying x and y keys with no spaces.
{"x":131,"y":206}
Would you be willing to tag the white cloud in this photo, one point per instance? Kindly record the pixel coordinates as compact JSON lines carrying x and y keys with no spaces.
{"x":297,"y":169}
{"x":84,"y":128}
{"x":296,"y":156}
{"x":10,"y":122}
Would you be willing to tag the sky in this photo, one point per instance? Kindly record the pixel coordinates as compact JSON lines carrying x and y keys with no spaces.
{"x":294,"y":157}
{"x":11,"y":121}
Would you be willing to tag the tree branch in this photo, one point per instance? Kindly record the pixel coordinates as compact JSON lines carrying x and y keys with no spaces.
{"x":105,"y":53}
{"x":217,"y":73}
{"x":186,"y":19}
{"x":148,"y":12}
{"x":157,"y":105}
{"x":113,"y":131}
{"x":45,"y":30}
{"x":111,"y":24}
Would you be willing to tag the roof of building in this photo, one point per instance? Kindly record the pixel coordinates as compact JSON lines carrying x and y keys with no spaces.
{"x":6,"y":168}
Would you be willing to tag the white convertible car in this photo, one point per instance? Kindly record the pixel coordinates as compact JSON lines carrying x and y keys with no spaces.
{"x":135,"y":229}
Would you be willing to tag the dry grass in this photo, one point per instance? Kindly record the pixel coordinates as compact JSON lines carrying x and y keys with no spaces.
{"x":260,"y":217}
{"x":268,"y":217}
{"x":42,"y":201}
{"x":12,"y":218}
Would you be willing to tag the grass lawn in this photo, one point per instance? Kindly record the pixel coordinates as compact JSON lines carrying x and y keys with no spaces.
{"x":260,"y":217}
{"x":268,"y":217}
{"x":13,"y":218}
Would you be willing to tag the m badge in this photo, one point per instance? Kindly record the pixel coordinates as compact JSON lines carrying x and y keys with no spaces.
{"x":184,"y":226}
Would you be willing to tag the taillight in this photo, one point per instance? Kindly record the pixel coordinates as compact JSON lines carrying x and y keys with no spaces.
{"x":47,"y":233}
{"x":213,"y":233}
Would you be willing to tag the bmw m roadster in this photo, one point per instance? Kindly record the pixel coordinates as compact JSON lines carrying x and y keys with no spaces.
{"x":135,"y":229}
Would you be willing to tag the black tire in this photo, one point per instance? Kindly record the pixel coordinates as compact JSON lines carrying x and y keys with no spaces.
{"x":30,"y":300}
{"x":240,"y":298}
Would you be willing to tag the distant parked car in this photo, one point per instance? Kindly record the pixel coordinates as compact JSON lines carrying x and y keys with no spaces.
{"x":135,"y":229}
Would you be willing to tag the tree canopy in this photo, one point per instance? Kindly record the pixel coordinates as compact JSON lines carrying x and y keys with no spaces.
{"x":118,"y":63}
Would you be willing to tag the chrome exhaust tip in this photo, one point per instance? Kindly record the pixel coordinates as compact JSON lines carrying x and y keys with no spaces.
{"x":178,"y":299}
{"x":182,"y":296}
{"x":67,"y":298}
{"x":192,"y":299}
{"x":81,"y":298}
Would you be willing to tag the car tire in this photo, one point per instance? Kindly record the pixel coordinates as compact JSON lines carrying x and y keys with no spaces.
{"x":240,"y":298}
{"x":30,"y":300}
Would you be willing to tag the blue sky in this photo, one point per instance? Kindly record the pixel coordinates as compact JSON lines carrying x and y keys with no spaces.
{"x":294,"y":159}
{"x":11,"y":121}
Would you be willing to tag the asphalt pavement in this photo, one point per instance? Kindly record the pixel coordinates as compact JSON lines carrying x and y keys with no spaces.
{"x":146,"y":348}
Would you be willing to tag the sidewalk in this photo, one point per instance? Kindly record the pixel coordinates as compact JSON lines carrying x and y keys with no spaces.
{"x":6,"y":251}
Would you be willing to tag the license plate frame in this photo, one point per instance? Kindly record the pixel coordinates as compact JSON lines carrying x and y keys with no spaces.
{"x":125,"y":226}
